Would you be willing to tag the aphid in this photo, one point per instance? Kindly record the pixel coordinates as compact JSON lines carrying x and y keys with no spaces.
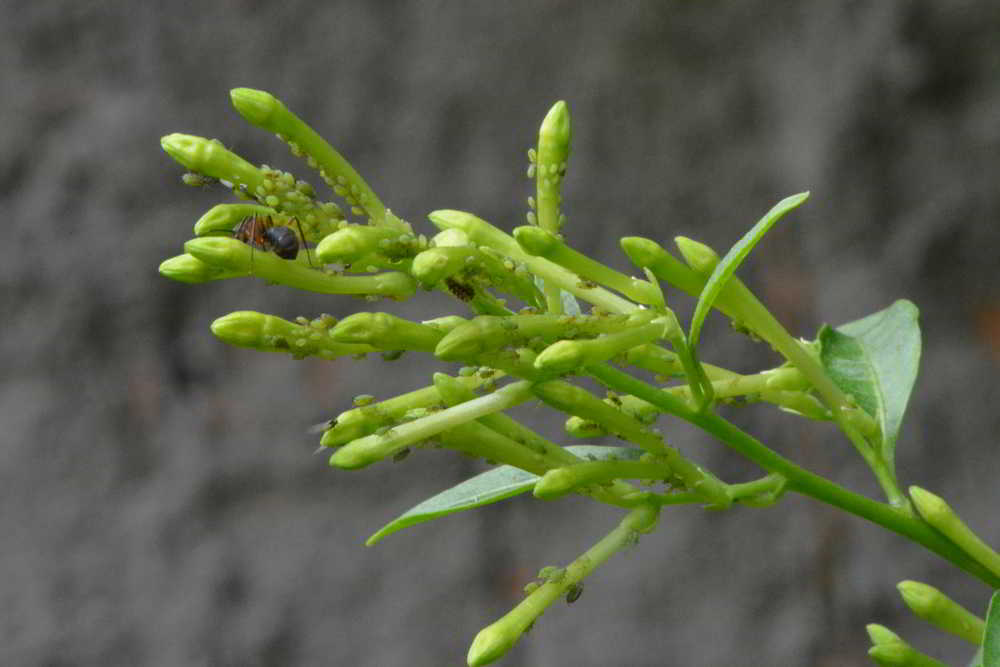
{"x":400,"y":455}
{"x":260,"y":231}
{"x":460,"y":290}
{"x":574,"y":592}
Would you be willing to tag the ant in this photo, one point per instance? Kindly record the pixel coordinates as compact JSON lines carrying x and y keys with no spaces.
{"x":260,"y":231}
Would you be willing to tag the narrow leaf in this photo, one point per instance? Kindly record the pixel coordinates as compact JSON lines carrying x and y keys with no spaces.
{"x":727,"y":266}
{"x":875,"y":360}
{"x":991,"y":639}
{"x":490,"y":487}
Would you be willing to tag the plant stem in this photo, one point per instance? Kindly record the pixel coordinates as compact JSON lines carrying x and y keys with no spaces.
{"x":496,"y":639}
{"x":799,"y":479}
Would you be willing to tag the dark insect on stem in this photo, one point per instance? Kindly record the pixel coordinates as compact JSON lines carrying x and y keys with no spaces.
{"x":574,"y":592}
{"x":260,"y":231}
{"x":460,"y":290}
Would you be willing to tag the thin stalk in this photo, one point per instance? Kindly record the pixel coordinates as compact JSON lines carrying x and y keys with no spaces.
{"x":800,"y":479}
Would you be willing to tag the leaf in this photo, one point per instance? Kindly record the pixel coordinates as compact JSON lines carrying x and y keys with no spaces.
{"x":489,"y":487}
{"x":725,"y":269}
{"x":991,"y":638}
{"x":875,"y":360}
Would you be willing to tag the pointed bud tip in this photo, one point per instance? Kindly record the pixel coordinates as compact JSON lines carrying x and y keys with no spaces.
{"x":350,"y":458}
{"x":186,"y":269}
{"x":879,"y":634}
{"x":242,"y":328}
{"x":561,"y":357}
{"x":699,"y":256}
{"x":929,"y":505}
{"x":256,"y":106}
{"x":918,"y":596}
{"x":183,"y":148}
{"x":490,"y":644}
{"x":557,"y":123}
{"x":535,"y":240}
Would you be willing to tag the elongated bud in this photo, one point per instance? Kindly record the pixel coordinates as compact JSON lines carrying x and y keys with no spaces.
{"x":699,"y":256}
{"x":268,"y":333}
{"x":266,"y":111}
{"x":901,"y":654}
{"x":578,"y":401}
{"x":939,"y":514}
{"x":256,"y":106}
{"x":436,"y":264}
{"x":938,"y":609}
{"x":567,"y":355}
{"x":372,"y":448}
{"x":234,"y":255}
{"x":543,"y":243}
{"x":354,"y":242}
{"x":554,"y":138}
{"x":362,"y":421}
{"x":189,"y":269}
{"x":386,"y":332}
{"x":879,"y":634}
{"x":224,"y":217}
{"x":211,"y":158}
{"x":560,"y":481}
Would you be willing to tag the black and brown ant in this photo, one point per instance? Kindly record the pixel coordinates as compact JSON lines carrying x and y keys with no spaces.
{"x":260,"y":231}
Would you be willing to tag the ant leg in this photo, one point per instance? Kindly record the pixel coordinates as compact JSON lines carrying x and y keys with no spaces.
{"x":305,"y":244}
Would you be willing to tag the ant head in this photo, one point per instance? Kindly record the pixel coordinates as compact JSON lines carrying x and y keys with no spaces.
{"x":284,"y":240}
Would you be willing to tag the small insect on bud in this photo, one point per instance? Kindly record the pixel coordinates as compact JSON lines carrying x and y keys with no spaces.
{"x":574,"y":592}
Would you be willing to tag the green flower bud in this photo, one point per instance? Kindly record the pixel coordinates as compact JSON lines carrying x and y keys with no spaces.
{"x":566,"y":356}
{"x":879,"y":634}
{"x":268,"y":333}
{"x":580,"y":402}
{"x":938,"y":609}
{"x":224,"y":217}
{"x":940,"y":515}
{"x":434,"y":265}
{"x":901,"y":654}
{"x":234,"y":255}
{"x":541,"y":242}
{"x":554,"y":137}
{"x":266,"y":111}
{"x":350,"y":244}
{"x":210,"y":157}
{"x":699,"y":256}
{"x":359,"y":422}
{"x":648,"y":254}
{"x":372,"y":448}
{"x":386,"y":332}
{"x":189,"y":269}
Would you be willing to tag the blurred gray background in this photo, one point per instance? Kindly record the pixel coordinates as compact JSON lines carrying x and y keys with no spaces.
{"x":160,"y":503}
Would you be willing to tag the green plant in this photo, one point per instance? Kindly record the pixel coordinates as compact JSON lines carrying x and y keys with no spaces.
{"x":858,"y":375}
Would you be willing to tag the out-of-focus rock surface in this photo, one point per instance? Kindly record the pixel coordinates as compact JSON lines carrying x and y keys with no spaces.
{"x":159,"y":500}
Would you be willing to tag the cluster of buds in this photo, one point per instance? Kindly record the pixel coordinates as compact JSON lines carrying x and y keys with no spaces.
{"x":523,"y":336}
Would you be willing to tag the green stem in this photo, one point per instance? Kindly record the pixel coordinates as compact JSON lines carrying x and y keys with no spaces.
{"x":800,"y":479}
{"x":267,"y":112}
{"x":496,"y":639}
{"x":375,"y":447}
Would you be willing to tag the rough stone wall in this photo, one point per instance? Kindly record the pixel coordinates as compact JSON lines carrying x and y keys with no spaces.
{"x":159,"y":501}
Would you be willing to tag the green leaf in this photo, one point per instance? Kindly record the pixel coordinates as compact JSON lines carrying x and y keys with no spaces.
{"x":991,"y":638}
{"x":489,"y":487}
{"x":875,"y":360}
{"x":727,"y":266}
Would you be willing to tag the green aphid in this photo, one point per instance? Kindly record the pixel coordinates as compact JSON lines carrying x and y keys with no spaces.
{"x":362,"y":400}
